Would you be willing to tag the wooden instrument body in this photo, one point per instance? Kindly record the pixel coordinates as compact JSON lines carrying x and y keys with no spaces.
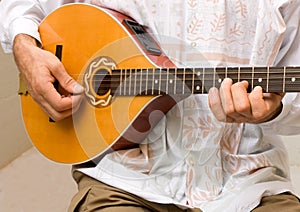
{"x":86,"y":33}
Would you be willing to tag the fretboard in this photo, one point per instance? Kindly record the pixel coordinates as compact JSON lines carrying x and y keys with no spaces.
{"x":184,"y":81}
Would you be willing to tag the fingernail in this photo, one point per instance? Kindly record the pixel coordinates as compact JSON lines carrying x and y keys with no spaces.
{"x":213,"y":94}
{"x":78,"y":88}
{"x":257,"y":88}
{"x":213,"y":91}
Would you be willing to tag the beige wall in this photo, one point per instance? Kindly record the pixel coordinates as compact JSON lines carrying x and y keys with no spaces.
{"x":13,"y":138}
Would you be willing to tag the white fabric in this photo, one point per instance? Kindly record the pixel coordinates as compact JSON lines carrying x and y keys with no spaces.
{"x":24,"y":17}
{"x":190,"y":158}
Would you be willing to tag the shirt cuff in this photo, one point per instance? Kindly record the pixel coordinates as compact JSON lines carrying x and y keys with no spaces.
{"x":277,"y":123}
{"x":19,"y":26}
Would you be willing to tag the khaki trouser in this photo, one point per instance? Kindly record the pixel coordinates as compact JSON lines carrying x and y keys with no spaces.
{"x":96,"y":196}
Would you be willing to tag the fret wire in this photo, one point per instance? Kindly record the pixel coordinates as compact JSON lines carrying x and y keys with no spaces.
{"x":284,"y":70}
{"x":120,"y":89}
{"x":239,"y":73}
{"x":252,"y":81}
{"x":162,"y":81}
{"x":170,"y":80}
{"x":175,"y":81}
{"x":152,"y":81}
{"x":183,"y":84}
{"x":130,"y":82}
{"x":125,"y":81}
{"x":226,"y":70}
{"x":159,"y":87}
{"x":146,"y":91}
{"x":203,"y":74}
{"x":167,"y":84}
{"x":141,"y":80}
{"x":214,"y":77}
{"x":134,"y":89}
{"x":268,"y":72}
{"x":193,"y":80}
{"x":156,"y":81}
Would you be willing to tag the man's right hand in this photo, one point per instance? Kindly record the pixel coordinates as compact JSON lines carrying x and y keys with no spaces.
{"x":40,"y":69}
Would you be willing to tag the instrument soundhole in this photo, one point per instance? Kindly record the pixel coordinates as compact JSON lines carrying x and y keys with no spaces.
{"x":101,"y":82}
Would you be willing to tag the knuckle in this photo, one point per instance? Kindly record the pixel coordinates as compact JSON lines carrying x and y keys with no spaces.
{"x":56,"y":65}
{"x":213,"y":104}
{"x":257,"y":115}
{"x":68,"y":81}
{"x":229,"y":111}
{"x":58,"y":107}
{"x":242,"y":107}
{"x":55,"y":117}
{"x":220,"y":116}
{"x":235,"y":85}
{"x":37,"y":87}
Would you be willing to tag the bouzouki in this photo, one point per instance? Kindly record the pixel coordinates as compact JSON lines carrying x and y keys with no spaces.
{"x":129,"y":83}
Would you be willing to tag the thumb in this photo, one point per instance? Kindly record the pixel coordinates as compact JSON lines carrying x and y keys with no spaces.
{"x":67,"y":83}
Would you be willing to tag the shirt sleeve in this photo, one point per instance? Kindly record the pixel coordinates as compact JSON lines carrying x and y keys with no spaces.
{"x":288,"y":122}
{"x":19,"y":16}
{"x":289,"y":52}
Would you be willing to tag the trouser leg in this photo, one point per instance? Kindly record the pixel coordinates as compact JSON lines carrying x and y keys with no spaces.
{"x":277,"y":203}
{"x":96,"y":196}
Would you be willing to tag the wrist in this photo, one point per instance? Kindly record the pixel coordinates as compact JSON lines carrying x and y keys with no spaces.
{"x":278,"y":111}
{"x":23,"y":40}
{"x":24,"y":50}
{"x":274,"y":115}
